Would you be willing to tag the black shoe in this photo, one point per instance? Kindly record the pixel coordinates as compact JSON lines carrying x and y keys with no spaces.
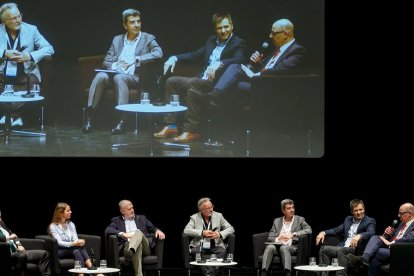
{"x":264,"y":272}
{"x":119,"y":128}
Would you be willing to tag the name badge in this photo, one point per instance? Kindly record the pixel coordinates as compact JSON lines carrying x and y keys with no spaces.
{"x":206,"y":243}
{"x":11,"y":70}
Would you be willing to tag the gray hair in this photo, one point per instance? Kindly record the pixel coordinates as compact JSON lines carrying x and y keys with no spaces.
{"x":285,"y":25}
{"x":201,"y":201}
{"x":285,"y":202}
{"x":5,"y":7}
{"x":129,"y":12}
{"x":123,"y":202}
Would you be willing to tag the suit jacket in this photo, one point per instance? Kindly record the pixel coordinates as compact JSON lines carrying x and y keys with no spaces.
{"x":366,"y":229}
{"x":289,"y":62}
{"x":300,"y":226}
{"x":408,"y":235}
{"x":35,"y":44}
{"x":234,"y":52}
{"x":195,"y":226}
{"x":147,"y":49}
{"x":3,"y":238}
{"x":118,"y":225}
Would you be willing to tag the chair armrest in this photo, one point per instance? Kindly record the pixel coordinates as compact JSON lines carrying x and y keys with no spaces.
{"x":185,"y":244}
{"x":112,"y":253}
{"x":159,"y":252}
{"x":33,"y":244}
{"x":259,"y":246}
{"x":51,"y":247}
{"x":402,"y":259}
{"x":86,"y":69}
{"x":304,"y":249}
{"x":92,"y":241}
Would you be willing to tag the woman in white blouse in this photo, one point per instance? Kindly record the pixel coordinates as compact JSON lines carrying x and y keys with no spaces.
{"x":64,"y":231}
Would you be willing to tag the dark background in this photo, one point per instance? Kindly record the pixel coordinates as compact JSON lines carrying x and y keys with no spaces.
{"x":250,"y":206}
{"x":80,"y":28}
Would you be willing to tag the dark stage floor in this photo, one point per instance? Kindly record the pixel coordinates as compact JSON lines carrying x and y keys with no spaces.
{"x":67,"y":140}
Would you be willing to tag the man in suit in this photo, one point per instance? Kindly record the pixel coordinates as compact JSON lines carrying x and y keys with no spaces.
{"x":284,"y":233}
{"x":133,"y":233}
{"x":377,"y":251}
{"x":128,"y":52}
{"x":220,"y":51}
{"x":20,"y":256}
{"x":208,"y":229}
{"x":288,"y":57}
{"x":22,"y":47}
{"x":353,"y":229}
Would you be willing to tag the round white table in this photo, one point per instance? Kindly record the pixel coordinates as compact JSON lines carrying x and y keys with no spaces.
{"x":16,"y":98}
{"x":150,"y":110}
{"x":219,"y":262}
{"x":316,"y":268}
{"x":84,"y":270}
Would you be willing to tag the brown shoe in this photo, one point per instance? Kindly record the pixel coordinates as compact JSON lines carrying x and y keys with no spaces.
{"x":166,"y":132}
{"x":186,"y":137}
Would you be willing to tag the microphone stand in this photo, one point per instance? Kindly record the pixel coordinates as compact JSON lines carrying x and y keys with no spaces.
{"x":28,"y":71}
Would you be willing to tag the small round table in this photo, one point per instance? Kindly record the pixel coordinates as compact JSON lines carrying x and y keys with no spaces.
{"x":16,"y":98}
{"x":150,"y":110}
{"x":316,"y":268}
{"x":84,"y":270}
{"x":219,"y":262}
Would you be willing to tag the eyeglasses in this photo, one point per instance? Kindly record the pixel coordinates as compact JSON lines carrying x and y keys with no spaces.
{"x":15,"y":18}
{"x":208,"y":208}
{"x":275,"y":33}
{"x":402,"y":213}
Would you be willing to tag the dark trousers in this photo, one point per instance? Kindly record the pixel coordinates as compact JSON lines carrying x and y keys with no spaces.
{"x":79,"y":253}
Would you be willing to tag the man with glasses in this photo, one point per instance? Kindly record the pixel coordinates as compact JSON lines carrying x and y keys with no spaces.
{"x":20,"y":256}
{"x":22,"y":47}
{"x":352,"y":230}
{"x":208,"y":229}
{"x":377,"y":251}
{"x":287,"y":57}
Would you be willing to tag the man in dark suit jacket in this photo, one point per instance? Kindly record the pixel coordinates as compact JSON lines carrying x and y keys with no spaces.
{"x":355,"y":227}
{"x":127,"y":53}
{"x":220,"y":51}
{"x":133,"y":233}
{"x":20,"y":256}
{"x":377,"y":251}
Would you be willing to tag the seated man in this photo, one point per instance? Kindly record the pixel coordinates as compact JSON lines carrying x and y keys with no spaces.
{"x":21,"y":48}
{"x":219,"y":51}
{"x":126,"y":54}
{"x":355,"y":227}
{"x":133,"y":233}
{"x":285,"y":231}
{"x":20,"y":256}
{"x":208,"y":229}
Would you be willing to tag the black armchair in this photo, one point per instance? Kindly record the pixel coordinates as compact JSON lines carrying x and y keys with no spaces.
{"x":152,"y":262}
{"x":401,"y":260}
{"x":185,"y":242}
{"x":302,"y":257}
{"x":61,"y":266}
{"x":33,"y":244}
{"x":5,"y":264}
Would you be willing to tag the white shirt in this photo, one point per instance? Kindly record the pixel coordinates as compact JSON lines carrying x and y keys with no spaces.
{"x":215,"y":55}
{"x":128,"y":55}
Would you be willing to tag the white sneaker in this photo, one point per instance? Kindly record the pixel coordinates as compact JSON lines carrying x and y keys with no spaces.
{"x":3,"y":120}
{"x":17,"y":122}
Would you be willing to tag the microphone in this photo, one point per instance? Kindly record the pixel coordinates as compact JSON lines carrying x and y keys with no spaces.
{"x":265,"y":45}
{"x":394,"y":223}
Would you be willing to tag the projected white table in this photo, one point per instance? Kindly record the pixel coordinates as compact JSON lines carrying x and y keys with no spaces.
{"x":150,"y":110}
{"x":7,"y":101}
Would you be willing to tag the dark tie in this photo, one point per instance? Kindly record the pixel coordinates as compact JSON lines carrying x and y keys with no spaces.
{"x":400,"y":233}
{"x":271,"y":61}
